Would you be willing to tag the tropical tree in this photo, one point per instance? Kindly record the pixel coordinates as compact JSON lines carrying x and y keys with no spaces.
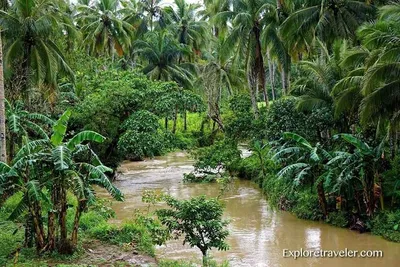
{"x":30,"y":51}
{"x":305,"y":164}
{"x":326,"y":20}
{"x":220,"y":77}
{"x":44,"y":170}
{"x":275,"y":46}
{"x":360,"y":167}
{"x":105,"y":31}
{"x":153,"y":11}
{"x":199,"y":220}
{"x":381,"y":80}
{"x":3,"y":143}
{"x":246,"y":19}
{"x":161,"y":52}
{"x":211,"y":9}
{"x":184,"y":24}
{"x":314,"y":88}
{"x":21,"y":123}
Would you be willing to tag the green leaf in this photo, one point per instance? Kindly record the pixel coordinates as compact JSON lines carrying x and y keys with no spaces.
{"x":60,"y":128}
{"x":85,"y":136}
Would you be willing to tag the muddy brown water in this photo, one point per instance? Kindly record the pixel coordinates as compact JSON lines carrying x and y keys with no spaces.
{"x":258,"y":234}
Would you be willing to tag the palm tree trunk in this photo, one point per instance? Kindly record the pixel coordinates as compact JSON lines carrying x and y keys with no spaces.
{"x":259,"y":64}
{"x":322,"y":198}
{"x":284,"y":81}
{"x":252,"y":87}
{"x":3,"y":145}
{"x":271,"y":69}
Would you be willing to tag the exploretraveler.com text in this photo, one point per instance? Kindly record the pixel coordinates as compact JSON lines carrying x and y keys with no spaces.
{"x":321,"y":253}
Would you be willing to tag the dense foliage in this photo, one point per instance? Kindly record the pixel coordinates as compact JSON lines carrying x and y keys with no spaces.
{"x":311,"y":86}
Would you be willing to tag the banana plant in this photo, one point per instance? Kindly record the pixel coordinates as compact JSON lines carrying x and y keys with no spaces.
{"x":56,"y":165}
{"x":305,"y":163}
{"x":21,"y":123}
{"x":361,"y":165}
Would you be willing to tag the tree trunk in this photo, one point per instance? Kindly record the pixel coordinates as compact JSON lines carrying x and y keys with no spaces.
{"x":74,"y":236}
{"x":271,"y":69}
{"x":51,"y":231}
{"x":252,"y":87}
{"x":259,"y":64}
{"x":184,"y":121}
{"x":3,"y":145}
{"x":63,"y":219}
{"x":38,"y":227}
{"x":322,"y":199}
{"x":285,"y":82}
{"x":166,"y":123}
{"x":175,"y":119}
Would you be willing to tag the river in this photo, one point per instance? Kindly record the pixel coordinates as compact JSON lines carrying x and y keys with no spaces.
{"x":258,"y":234}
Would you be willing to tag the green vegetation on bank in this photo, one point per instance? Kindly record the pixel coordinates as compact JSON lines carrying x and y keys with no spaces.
{"x":312,"y":86}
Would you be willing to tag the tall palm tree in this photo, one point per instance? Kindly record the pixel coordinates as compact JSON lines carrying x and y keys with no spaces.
{"x":326,"y":19}
{"x":319,"y":77}
{"x":246,"y":19}
{"x":104,"y":30}
{"x":211,"y":9}
{"x":153,"y":10}
{"x":3,"y":143}
{"x":183,"y":21}
{"x":29,"y":27}
{"x":160,"y":52}
{"x":220,"y":77}
{"x":276,"y":48}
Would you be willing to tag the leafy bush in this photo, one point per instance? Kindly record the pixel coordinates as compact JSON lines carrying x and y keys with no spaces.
{"x":141,"y":137}
{"x":11,"y":238}
{"x":387,"y":224}
{"x":306,"y":206}
{"x":338,"y":219}
{"x":223,"y":154}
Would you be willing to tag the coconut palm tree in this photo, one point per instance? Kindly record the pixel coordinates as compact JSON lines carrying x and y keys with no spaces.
{"x":160,"y":52}
{"x":3,"y":143}
{"x":104,"y":29}
{"x":153,"y":10}
{"x":326,"y":19}
{"x":246,"y":18}
{"x":184,"y":24}
{"x":210,"y":12}
{"x":220,"y":77}
{"x":28,"y":28}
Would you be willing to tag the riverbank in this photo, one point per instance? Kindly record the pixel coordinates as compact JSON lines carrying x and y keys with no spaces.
{"x":258,"y":233}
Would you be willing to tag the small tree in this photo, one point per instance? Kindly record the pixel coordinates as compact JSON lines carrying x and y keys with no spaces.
{"x":199,"y":220}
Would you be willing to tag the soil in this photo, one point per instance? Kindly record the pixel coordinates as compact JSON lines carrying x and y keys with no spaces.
{"x":101,"y":254}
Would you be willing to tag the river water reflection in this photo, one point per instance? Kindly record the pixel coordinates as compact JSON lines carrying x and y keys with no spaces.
{"x":258,"y":234}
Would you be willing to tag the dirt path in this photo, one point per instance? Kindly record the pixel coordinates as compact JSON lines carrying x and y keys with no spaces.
{"x":101,"y":254}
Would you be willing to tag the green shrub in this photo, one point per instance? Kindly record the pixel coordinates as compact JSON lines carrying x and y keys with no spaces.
{"x":142,"y":137}
{"x":387,"y":224}
{"x":11,"y":238}
{"x":338,"y":219}
{"x":132,"y":232}
{"x":307,"y":207}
